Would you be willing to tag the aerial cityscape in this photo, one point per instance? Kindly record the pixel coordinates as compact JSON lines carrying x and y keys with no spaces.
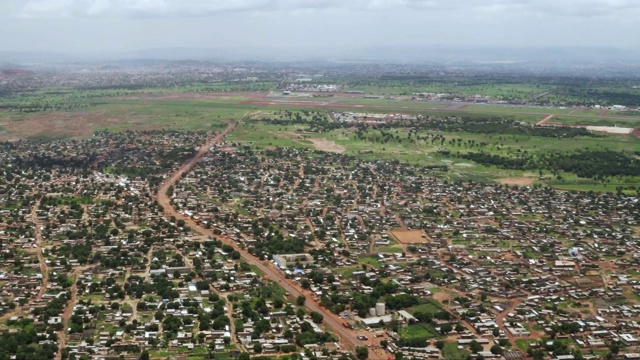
{"x":313,"y":186}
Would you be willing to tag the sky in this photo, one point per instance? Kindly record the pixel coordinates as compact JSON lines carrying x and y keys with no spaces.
{"x":105,"y":26}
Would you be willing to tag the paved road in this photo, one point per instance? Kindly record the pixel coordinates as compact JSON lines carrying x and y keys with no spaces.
{"x":348,"y":338}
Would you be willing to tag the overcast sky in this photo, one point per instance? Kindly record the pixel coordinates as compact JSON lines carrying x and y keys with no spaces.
{"x":98,"y":26}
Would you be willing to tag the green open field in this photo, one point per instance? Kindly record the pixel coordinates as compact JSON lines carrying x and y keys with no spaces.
{"x":79,"y":113}
{"x":425,"y":153}
{"x":451,"y":351}
{"x":370,"y":260}
{"x":418,"y":331}
{"x":465,"y":87}
{"x":204,"y":107}
{"x":430,"y":306}
{"x":519,"y":109}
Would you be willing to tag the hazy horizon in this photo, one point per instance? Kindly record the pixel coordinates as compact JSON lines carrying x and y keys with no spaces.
{"x":100,"y":27}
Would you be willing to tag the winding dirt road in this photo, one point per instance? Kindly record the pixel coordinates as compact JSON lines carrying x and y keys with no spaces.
{"x":38,"y":235}
{"x":347,"y":337}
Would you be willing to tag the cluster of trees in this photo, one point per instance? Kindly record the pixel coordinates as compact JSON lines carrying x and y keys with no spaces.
{"x":53,"y":308}
{"x":275,"y":243}
{"x":363,"y":302}
{"x":118,"y":259}
{"x":400,"y":301}
{"x":80,"y":251}
{"x":593,"y":164}
{"x":599,"y":96}
{"x":499,"y":126}
{"x":24,"y":345}
{"x":48,"y":162}
{"x":315,"y":121}
{"x":452,"y":124}
{"x":177,"y":155}
{"x":166,"y":258}
{"x":137,"y":287}
{"x":307,"y":335}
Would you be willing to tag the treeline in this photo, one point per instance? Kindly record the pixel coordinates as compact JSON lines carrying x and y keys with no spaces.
{"x":502,"y":126}
{"x":593,"y":164}
{"x":596,"y":96}
{"x":474,"y":125}
{"x":49,"y":162}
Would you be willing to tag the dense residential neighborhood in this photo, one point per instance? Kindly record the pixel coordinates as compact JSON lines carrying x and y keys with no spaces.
{"x":319,"y":180}
{"x":301,"y":253}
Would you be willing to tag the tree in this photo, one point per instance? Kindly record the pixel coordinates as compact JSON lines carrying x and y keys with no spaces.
{"x":475,"y":346}
{"x":445,"y":329}
{"x":145,"y":355}
{"x":362,"y":352}
{"x":244,"y":356}
{"x":496,"y":349}
{"x":306,"y":284}
{"x":300,"y":313}
{"x":257,"y":348}
{"x":614,"y":347}
{"x":316,"y":317}
{"x":300,"y":300}
{"x":504,"y":342}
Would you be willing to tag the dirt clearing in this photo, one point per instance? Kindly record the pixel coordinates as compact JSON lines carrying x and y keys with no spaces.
{"x":521,"y":181}
{"x":409,"y":236}
{"x":327,"y":145}
{"x":56,"y":125}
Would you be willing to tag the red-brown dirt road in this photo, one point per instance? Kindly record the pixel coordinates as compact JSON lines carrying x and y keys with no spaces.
{"x":348,"y":339}
{"x":544,"y":120}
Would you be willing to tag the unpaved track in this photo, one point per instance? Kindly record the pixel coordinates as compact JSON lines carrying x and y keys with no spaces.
{"x":68,"y":311}
{"x":545,"y":120}
{"x":43,"y":266}
{"x":347,"y":337}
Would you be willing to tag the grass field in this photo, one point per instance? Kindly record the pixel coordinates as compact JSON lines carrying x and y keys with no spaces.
{"x":388,"y":249}
{"x":451,"y":352}
{"x":119,"y":116}
{"x":430,"y":306}
{"x":523,"y":109}
{"x":171,"y":108}
{"x":523,"y":344}
{"x":425,"y":153}
{"x":418,"y":331}
{"x":370,"y":260}
{"x":461,"y":86}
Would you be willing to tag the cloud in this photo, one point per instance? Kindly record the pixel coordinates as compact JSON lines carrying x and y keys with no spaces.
{"x":191,"y":8}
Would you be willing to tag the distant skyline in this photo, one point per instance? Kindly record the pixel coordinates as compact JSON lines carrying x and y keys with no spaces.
{"x":98,"y":27}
